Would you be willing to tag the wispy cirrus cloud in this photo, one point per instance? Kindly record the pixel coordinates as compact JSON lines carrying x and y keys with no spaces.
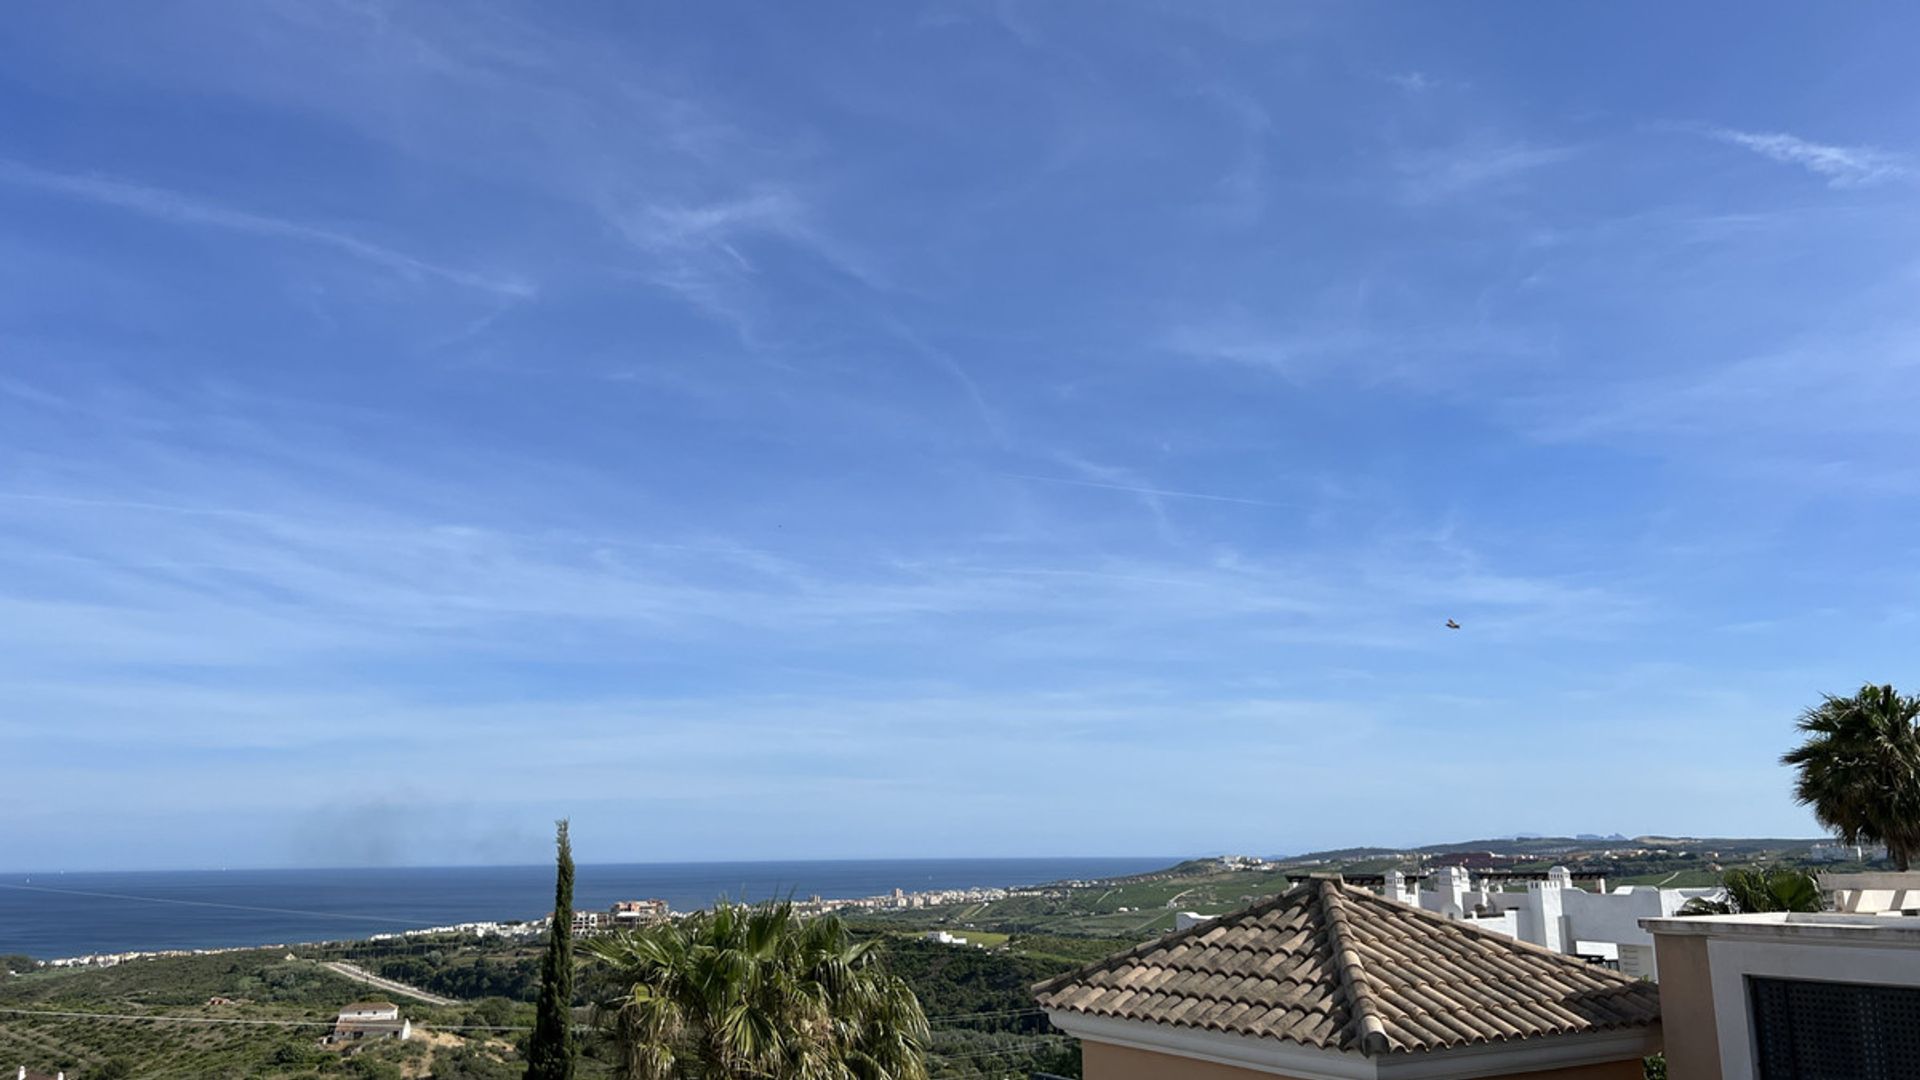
{"x":1413,"y":82}
{"x":710,"y":254}
{"x":1137,"y":489}
{"x":664,"y":226}
{"x":1841,"y":166}
{"x":1357,"y":348}
{"x":172,"y":206}
{"x":1480,"y":165}
{"x":1239,"y":195}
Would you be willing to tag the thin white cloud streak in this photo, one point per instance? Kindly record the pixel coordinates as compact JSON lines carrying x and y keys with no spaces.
{"x":1355,"y":348}
{"x":147,"y":712}
{"x":32,"y":395}
{"x":1138,"y":490}
{"x":1463,"y":170}
{"x":123,"y":504}
{"x":702,"y":254}
{"x":1240,"y":194}
{"x":945,"y":362}
{"x":664,"y":227}
{"x":1842,"y":166}
{"x":171,"y":206}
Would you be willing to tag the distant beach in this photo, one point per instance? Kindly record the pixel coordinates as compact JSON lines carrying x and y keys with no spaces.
{"x":59,"y":915}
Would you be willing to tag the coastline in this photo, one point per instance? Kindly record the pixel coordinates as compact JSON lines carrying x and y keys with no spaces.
{"x":186,"y":913}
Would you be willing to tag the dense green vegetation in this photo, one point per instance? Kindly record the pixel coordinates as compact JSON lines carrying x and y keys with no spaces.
{"x":1765,"y":888}
{"x":268,"y":988}
{"x":983,"y":1015}
{"x":463,"y":974}
{"x":743,"y":992}
{"x":287,"y":1006}
{"x":497,"y":981}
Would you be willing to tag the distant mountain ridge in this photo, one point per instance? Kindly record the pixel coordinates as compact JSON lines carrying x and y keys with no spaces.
{"x":1521,"y":845}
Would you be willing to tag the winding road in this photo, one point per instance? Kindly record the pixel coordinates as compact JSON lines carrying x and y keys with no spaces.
{"x":362,"y":975}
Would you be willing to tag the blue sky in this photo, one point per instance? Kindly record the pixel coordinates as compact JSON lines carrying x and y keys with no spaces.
{"x":773,"y":430}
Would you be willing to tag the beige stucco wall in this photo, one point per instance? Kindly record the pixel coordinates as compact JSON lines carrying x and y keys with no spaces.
{"x":1686,"y":1008}
{"x":1104,"y":1061}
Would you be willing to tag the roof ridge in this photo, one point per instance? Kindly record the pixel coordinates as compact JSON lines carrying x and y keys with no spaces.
{"x":1155,"y":944}
{"x":1352,"y":973}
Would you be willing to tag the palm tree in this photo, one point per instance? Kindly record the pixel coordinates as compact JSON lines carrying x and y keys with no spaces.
{"x":1860,"y":769}
{"x":756,"y":993}
{"x":1769,"y":888}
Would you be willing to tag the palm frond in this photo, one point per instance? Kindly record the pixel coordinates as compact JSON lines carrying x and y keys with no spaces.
{"x":758,"y":991}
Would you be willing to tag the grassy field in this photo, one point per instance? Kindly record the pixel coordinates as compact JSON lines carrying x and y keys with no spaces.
{"x":1126,"y":912}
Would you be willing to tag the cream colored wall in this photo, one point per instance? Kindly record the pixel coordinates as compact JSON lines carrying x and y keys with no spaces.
{"x":1686,"y":1007}
{"x":1104,"y":1061}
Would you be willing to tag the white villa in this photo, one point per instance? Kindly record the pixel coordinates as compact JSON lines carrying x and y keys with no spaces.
{"x":1553,"y":912}
{"x":370,"y":1020}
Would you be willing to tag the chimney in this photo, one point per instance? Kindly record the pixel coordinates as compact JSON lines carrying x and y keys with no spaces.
{"x":1396,"y":886}
{"x":1451,"y":884}
{"x":1559,"y":877}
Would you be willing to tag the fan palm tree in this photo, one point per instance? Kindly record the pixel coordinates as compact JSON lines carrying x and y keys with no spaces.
{"x":757,"y":993}
{"x":1770,"y":888}
{"x":1860,"y":769}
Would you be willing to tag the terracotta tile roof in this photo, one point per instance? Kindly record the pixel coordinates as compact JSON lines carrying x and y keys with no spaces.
{"x":1328,"y":965}
{"x":367,"y":1027}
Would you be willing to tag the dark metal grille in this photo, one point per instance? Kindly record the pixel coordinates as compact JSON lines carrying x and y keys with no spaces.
{"x":1805,"y":1030}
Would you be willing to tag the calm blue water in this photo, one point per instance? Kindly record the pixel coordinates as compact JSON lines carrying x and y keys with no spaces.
{"x":50,"y":915}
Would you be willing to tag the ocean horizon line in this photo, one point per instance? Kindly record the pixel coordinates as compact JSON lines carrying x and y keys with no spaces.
{"x":804,"y":860}
{"x":82,"y":913}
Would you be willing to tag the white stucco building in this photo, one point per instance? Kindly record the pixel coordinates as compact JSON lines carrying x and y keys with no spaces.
{"x":370,"y":1020}
{"x":1553,"y":913}
{"x":1840,"y":851}
{"x":1873,"y":894}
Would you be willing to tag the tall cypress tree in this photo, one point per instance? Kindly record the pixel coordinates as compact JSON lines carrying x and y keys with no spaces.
{"x":550,"y":1053}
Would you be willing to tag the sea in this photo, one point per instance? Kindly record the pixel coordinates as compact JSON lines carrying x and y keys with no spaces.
{"x":75,"y":914}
